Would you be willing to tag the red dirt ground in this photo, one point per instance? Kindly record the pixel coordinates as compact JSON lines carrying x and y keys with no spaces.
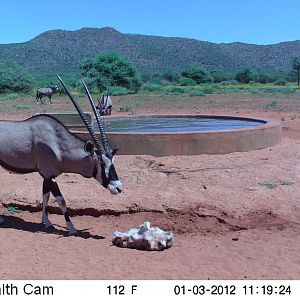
{"x":228,"y":223}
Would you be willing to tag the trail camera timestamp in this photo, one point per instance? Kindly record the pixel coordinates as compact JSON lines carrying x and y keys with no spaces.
{"x":239,"y":290}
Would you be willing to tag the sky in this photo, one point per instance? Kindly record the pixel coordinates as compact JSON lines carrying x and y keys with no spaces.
{"x":219,"y":21}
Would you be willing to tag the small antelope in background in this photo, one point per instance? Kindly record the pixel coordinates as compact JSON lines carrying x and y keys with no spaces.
{"x":49,"y":91}
{"x":105,"y":105}
{"x":43,"y":144}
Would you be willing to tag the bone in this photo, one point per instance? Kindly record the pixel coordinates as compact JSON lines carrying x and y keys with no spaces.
{"x":144,"y":238}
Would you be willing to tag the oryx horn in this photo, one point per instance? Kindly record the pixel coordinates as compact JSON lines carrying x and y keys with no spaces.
{"x":99,"y":122}
{"x":84,"y":119}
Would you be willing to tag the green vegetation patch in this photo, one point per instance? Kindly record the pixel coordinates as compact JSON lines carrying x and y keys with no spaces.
{"x":17,"y":106}
{"x":12,"y":210}
{"x":270,"y":186}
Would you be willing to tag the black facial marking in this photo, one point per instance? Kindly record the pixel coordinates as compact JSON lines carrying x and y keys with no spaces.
{"x":105,"y":180}
{"x":112,"y":173}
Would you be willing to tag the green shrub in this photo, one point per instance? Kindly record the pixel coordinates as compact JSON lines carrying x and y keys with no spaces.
{"x":196,"y":93}
{"x":170,"y":77}
{"x":118,"y":91}
{"x":174,"y":90}
{"x":280,"y":90}
{"x":12,"y":96}
{"x":14,"y":79}
{"x":263,"y":78}
{"x":254,"y":91}
{"x":280,"y":81}
{"x":228,"y":82}
{"x":209,"y":90}
{"x":21,"y":107}
{"x":244,"y":76}
{"x":152,"y":87}
{"x":200,"y":75}
{"x":184,"y":81}
{"x":220,"y":77}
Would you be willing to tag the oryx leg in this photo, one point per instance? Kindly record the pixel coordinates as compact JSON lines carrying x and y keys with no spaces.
{"x":46,"y":196}
{"x":50,"y":100}
{"x":62,"y":204}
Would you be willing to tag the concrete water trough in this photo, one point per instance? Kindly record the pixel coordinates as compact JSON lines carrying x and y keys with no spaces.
{"x":162,"y":135}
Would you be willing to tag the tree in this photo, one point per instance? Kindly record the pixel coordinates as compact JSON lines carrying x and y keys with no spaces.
{"x":14,"y":78}
{"x":244,"y":76}
{"x":110,"y":69}
{"x":200,"y":75}
{"x":296,"y":66}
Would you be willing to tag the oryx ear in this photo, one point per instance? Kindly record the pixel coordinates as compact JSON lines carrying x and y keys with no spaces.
{"x":115,"y":150}
{"x":89,"y":147}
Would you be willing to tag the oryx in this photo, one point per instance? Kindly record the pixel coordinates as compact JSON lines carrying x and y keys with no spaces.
{"x":43,"y":144}
{"x":49,"y":91}
{"x":105,"y":105}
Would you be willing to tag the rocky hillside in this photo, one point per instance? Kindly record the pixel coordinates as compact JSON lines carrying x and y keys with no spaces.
{"x":60,"y":50}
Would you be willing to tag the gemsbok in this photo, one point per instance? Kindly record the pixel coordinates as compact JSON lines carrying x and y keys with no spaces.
{"x":49,"y":91}
{"x":105,"y":105}
{"x":43,"y":144}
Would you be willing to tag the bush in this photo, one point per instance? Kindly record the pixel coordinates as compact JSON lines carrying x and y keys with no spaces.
{"x":221,"y":77}
{"x":280,"y":90}
{"x":174,"y":90}
{"x":198,"y":74}
{"x":12,"y":96}
{"x":244,"y":76}
{"x":280,"y":81}
{"x":170,"y":77}
{"x":118,"y":91}
{"x":196,"y":93}
{"x":209,"y":90}
{"x":228,"y":82}
{"x":152,"y":87}
{"x":184,"y":81}
{"x":14,"y":79}
{"x":263,"y":78}
{"x":111,"y":69}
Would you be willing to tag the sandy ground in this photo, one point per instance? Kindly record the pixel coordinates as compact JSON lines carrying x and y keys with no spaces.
{"x":234,"y":216}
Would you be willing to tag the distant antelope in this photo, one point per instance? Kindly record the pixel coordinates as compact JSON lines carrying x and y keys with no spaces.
{"x":105,"y":105}
{"x":43,"y":144}
{"x":49,"y":91}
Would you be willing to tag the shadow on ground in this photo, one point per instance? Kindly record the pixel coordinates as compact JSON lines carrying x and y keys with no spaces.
{"x":19,"y":224}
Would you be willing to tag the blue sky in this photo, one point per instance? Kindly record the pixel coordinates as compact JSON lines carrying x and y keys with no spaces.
{"x":252,"y":21}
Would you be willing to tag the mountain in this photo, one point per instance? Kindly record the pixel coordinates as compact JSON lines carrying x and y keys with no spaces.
{"x":60,"y":50}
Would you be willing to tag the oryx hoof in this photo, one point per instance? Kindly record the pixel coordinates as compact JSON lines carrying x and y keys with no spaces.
{"x":51,"y":227}
{"x":48,"y":226}
{"x":73,"y":232}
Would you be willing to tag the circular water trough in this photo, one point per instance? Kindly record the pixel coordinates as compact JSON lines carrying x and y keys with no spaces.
{"x":256,"y":134}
